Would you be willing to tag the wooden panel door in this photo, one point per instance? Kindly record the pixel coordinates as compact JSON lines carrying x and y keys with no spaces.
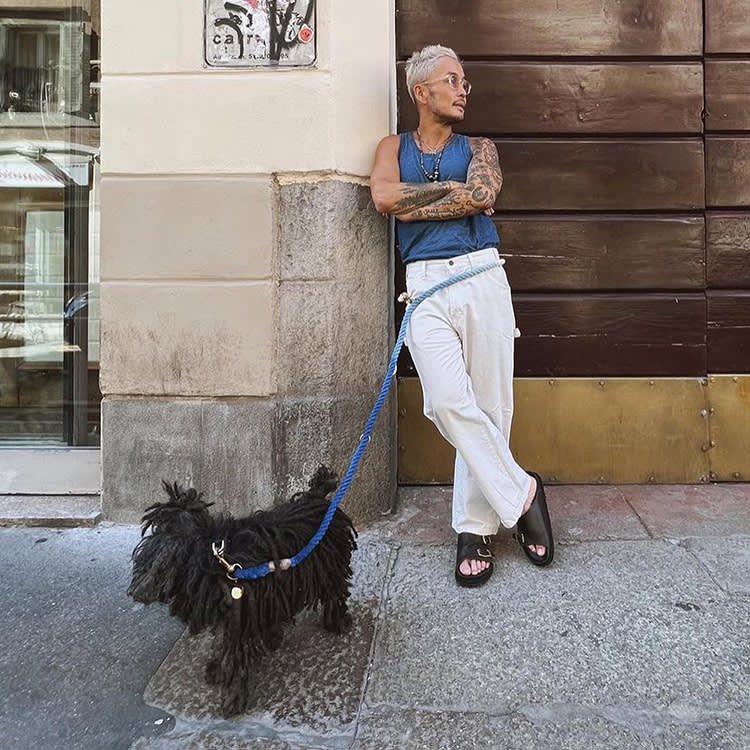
{"x":597,"y":112}
{"x":623,"y":128}
{"x":728,"y":184}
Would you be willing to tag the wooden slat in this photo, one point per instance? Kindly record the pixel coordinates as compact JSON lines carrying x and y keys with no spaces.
{"x":727,"y":27}
{"x":543,"y":174}
{"x":728,"y":251}
{"x":603,"y":253}
{"x":727,"y":94}
{"x":729,"y":332}
{"x":509,"y":98}
{"x":728,"y":171}
{"x":489,"y":28}
{"x":610,"y":334}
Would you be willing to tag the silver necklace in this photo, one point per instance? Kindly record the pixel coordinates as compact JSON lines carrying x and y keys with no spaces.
{"x":434,"y":174}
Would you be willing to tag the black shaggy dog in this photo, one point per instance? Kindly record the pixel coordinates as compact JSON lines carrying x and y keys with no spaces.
{"x":183,"y":562}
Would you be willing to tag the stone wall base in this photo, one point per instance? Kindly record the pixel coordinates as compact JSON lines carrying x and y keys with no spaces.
{"x":244,"y":454}
{"x":333,"y":277}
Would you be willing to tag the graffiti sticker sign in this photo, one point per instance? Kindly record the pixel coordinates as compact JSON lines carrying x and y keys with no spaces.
{"x":260,"y":33}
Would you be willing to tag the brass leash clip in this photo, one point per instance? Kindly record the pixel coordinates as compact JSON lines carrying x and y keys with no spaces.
{"x":219,"y":555}
{"x":236,"y":591}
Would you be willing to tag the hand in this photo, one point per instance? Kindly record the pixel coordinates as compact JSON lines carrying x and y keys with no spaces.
{"x":488,"y":211}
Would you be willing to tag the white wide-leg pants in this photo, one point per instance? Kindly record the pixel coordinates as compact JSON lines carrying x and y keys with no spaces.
{"x":461,"y":341}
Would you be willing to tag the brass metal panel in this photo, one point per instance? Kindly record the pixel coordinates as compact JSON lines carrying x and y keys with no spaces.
{"x":729,"y":454}
{"x":580,"y":430}
{"x":612,"y":430}
{"x":424,"y":457}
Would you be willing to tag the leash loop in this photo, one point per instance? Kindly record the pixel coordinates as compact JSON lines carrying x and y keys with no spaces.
{"x":259,"y":571}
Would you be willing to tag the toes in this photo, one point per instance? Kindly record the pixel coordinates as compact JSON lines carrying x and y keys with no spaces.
{"x":472,"y":567}
{"x":538,"y":550}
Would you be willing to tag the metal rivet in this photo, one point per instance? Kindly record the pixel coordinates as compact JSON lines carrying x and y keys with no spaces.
{"x":551,"y":382}
{"x":735,"y":380}
{"x":712,"y":410}
{"x":713,"y":443}
{"x":601,"y":383}
{"x":651,"y":382}
{"x":704,"y":413}
{"x":736,"y":475}
{"x":652,"y":478}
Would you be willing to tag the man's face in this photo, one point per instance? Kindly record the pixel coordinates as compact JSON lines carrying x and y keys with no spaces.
{"x":447,"y":103}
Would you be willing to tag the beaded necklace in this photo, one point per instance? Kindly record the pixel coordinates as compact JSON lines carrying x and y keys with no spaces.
{"x":434,"y":175}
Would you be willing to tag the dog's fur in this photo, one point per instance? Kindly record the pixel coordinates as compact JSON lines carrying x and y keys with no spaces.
{"x":175,"y":565}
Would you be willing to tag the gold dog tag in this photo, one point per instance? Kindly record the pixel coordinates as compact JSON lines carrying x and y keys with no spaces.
{"x":236,"y":592}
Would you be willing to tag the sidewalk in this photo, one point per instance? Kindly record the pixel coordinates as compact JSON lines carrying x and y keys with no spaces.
{"x":636,"y":637}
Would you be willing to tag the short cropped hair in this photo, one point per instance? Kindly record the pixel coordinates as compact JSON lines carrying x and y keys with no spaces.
{"x":420,"y":66}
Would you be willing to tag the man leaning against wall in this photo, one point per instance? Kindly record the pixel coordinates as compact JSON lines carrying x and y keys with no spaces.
{"x":441,"y":188}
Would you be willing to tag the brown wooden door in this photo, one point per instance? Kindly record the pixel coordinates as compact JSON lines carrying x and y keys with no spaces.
{"x":623,"y":128}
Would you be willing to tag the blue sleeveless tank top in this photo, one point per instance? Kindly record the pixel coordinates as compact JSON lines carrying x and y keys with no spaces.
{"x":425,"y":240}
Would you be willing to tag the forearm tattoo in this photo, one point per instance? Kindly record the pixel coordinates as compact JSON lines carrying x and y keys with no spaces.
{"x":484,"y":176}
{"x":415,"y":196}
{"x":483,"y":182}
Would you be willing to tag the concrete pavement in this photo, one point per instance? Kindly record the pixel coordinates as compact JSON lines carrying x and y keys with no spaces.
{"x":636,"y":637}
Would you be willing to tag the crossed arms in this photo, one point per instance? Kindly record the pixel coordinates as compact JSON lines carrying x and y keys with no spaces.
{"x":436,"y":200}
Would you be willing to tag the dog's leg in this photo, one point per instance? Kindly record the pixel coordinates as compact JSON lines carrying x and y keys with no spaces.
{"x":234,"y":682}
{"x":213,"y":667}
{"x":336,"y":617}
{"x":273,"y":638}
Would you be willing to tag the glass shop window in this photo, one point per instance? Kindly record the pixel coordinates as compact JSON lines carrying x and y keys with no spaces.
{"x":49,"y":223}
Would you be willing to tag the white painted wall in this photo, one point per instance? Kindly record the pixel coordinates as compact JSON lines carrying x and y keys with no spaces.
{"x":166,"y":112}
{"x":189,"y":265}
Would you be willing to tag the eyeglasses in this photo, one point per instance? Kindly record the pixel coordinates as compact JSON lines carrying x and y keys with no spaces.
{"x":453,"y":81}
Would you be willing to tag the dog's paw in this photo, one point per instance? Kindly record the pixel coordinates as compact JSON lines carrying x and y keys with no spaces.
{"x":338,"y":625}
{"x":273,"y":640}
{"x":233,"y":702}
{"x":213,"y":672}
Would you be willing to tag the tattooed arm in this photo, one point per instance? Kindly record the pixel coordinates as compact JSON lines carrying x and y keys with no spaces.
{"x":435,"y":200}
{"x":484,"y":181}
{"x":389,"y":194}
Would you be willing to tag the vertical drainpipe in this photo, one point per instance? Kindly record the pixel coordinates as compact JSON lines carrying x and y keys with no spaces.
{"x":392,"y":124}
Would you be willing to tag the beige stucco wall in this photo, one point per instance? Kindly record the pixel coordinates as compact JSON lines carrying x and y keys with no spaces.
{"x":189,"y":159}
{"x":183,"y":117}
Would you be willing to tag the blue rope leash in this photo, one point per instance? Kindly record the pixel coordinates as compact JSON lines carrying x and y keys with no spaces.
{"x":259,"y":571}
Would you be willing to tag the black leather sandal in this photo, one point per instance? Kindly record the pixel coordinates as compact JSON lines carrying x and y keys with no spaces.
{"x":534,"y":526}
{"x":474,"y":547}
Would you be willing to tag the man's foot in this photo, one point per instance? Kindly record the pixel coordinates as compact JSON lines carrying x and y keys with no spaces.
{"x":537,"y":549}
{"x":534,"y":526}
{"x":473,"y":559}
{"x":472,"y":567}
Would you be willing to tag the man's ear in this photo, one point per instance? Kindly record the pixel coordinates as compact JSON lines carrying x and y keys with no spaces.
{"x":420,"y":94}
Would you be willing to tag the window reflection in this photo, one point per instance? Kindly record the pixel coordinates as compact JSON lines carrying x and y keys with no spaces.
{"x":49,"y":225}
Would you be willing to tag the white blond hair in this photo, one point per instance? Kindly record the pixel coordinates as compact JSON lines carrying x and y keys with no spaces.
{"x":421,"y":65}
